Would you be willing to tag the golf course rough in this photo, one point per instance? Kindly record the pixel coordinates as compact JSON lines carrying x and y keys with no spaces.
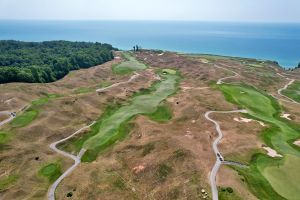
{"x":129,"y":66}
{"x":293,"y":91}
{"x":32,"y":112}
{"x":109,"y":130}
{"x":269,"y":178}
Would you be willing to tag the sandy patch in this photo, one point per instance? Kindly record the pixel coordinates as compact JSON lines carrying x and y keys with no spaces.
{"x":286,"y":116}
{"x":246,"y":120}
{"x":189,"y":134}
{"x":271,"y":152}
{"x":161,"y":54}
{"x":138,"y":169}
{"x":205,"y":61}
{"x":297,"y":142}
{"x":8,"y":101}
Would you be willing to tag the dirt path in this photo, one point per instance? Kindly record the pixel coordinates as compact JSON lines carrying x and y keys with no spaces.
{"x":11,"y":117}
{"x":220,"y":81}
{"x":120,"y":83}
{"x":219,"y":157}
{"x":291,"y":81}
{"x":77,"y":160}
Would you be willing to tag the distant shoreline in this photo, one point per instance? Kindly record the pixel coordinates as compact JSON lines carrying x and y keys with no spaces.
{"x":266,"y":41}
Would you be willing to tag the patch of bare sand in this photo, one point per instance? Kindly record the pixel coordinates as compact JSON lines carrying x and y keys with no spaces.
{"x":246,"y":120}
{"x":297,"y":142}
{"x":286,"y":116}
{"x":271,"y":152}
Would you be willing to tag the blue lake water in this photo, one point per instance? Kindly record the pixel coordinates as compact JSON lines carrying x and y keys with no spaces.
{"x":280,"y":42}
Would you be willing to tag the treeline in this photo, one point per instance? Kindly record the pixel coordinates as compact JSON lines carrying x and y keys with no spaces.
{"x":44,"y":62}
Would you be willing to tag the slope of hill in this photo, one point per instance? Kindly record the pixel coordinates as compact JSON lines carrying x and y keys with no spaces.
{"x":145,"y":134}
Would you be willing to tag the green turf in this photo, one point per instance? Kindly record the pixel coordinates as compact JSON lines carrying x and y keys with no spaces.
{"x":169,"y":71}
{"x":285,"y":179}
{"x":265,"y":176}
{"x":83,"y":90}
{"x":128,"y":66}
{"x":51,"y":171}
{"x":7,"y":181}
{"x":4,"y":136}
{"x":228,"y":194}
{"x":293,"y":91}
{"x":32,"y":112}
{"x":163,"y":113}
{"x":114,"y":124}
{"x":25,"y":118}
{"x":104,"y":84}
{"x":44,"y":100}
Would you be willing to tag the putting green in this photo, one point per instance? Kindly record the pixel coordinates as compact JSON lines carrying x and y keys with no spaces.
{"x":285,"y":179}
{"x":279,"y":174}
{"x":293,"y":91}
{"x":128,"y":66}
{"x":109,"y":129}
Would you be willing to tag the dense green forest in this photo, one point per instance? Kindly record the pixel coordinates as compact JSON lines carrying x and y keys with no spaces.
{"x":48,"y":61}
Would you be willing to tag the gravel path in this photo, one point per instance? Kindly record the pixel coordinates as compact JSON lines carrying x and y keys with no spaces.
{"x":77,"y":160}
{"x":291,"y":81}
{"x":11,"y":117}
{"x":219,"y":157}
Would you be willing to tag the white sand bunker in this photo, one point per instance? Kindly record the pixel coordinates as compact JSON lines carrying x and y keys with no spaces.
{"x":271,"y":152}
{"x":297,"y":142}
{"x":286,"y":116}
{"x":242,"y":119}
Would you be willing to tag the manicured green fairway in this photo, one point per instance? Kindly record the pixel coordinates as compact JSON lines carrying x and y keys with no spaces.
{"x":128,"y":66}
{"x":293,"y":91}
{"x":114,"y":125}
{"x":269,"y":178}
{"x":285,"y":179}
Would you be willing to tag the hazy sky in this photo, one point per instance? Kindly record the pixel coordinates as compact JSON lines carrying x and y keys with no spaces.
{"x":203,"y":10}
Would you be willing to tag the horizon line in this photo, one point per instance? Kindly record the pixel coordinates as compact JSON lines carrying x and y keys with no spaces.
{"x":157,"y":20}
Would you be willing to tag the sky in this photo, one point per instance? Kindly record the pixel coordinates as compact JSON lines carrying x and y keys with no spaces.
{"x":191,"y":10}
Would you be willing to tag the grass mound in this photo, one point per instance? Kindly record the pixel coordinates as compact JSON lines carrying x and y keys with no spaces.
{"x":51,"y":171}
{"x":129,"y":66}
{"x":25,"y":118}
{"x":163,"y":113}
